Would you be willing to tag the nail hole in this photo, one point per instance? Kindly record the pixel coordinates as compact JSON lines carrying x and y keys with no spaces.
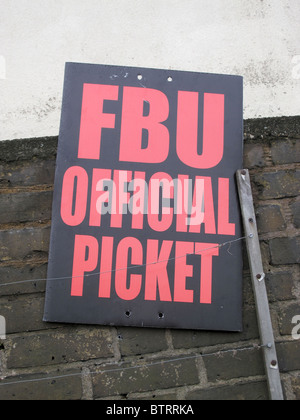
{"x":128,"y":314}
{"x":161,"y":315}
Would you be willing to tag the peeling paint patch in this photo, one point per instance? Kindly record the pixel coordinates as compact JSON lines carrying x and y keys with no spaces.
{"x":269,"y":72}
{"x":38,"y":112}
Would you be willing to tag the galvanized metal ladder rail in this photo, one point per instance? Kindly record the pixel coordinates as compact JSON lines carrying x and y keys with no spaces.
{"x":259,"y":286}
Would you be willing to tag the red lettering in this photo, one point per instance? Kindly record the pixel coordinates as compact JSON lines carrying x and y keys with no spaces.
{"x":134,"y":122}
{"x":156,"y":271}
{"x":182,"y":271}
{"x":81,"y":263}
{"x":209,"y":209}
{"x":206,"y":269}
{"x":106,"y":267}
{"x":99,"y":196}
{"x":74,"y":175}
{"x":130,"y":255}
{"x":182,"y":203}
{"x":135,"y":280}
{"x":157,"y":182}
{"x":213,"y":129}
{"x":137,"y":202}
{"x":93,"y":120}
{"x":121,"y":198}
{"x":224,"y":227}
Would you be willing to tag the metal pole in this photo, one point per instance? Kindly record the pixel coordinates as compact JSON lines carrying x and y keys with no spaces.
{"x":259,"y":286}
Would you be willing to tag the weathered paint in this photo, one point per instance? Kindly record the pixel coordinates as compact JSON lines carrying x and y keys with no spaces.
{"x":257,"y":39}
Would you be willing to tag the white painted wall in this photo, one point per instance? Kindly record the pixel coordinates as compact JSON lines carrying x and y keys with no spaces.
{"x":258,"y":39}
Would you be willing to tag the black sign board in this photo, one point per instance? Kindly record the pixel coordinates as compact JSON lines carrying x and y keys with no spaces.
{"x":144,"y":196}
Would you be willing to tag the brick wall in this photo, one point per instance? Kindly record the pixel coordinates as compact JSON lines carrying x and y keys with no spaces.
{"x":53,"y":361}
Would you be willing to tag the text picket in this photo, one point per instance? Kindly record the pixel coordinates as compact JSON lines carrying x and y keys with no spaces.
{"x":86,"y":258}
